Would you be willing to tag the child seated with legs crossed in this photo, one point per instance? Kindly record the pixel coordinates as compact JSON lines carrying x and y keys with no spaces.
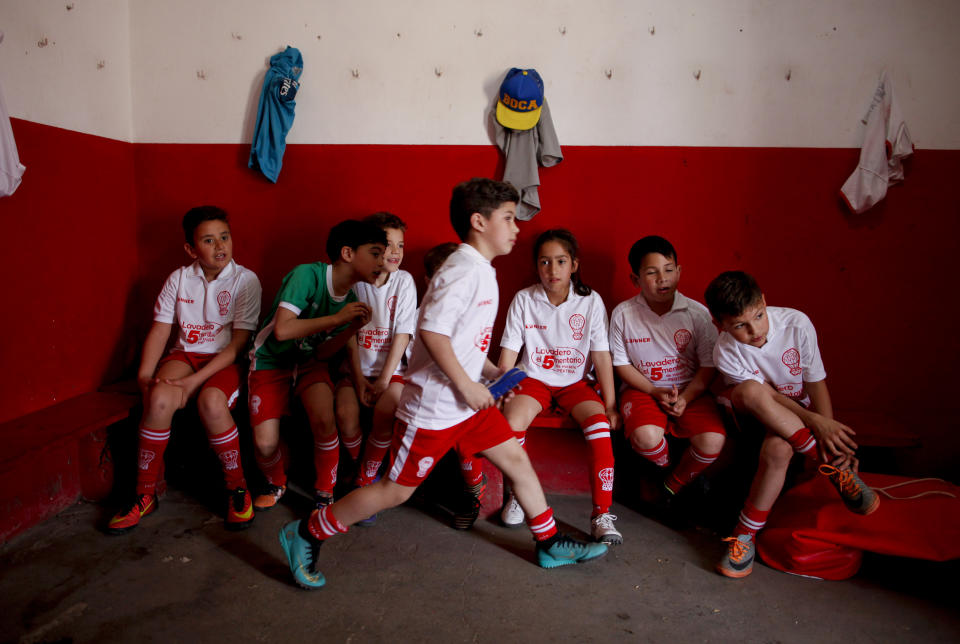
{"x":770,"y":358}
{"x":560,"y":324}
{"x":376,"y":354}
{"x":662,"y":344}
{"x":313,"y":315}
{"x":214,"y":303}
{"x":443,"y":404}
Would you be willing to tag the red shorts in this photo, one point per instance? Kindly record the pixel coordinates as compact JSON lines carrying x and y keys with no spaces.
{"x":270,"y":388}
{"x":226,"y":380}
{"x":566,"y":397}
{"x":700,"y":416}
{"x":415,"y":451}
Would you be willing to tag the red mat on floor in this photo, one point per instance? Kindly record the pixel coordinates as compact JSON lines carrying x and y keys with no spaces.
{"x":810,"y":532}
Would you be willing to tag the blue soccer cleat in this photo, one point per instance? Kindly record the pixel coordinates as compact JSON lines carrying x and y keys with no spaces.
{"x":302,"y":556}
{"x":564,"y":550}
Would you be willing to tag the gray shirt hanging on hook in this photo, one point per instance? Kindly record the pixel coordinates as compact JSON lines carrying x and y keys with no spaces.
{"x":525,"y":150}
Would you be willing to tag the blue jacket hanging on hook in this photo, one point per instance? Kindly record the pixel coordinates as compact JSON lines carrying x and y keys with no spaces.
{"x":275,"y":114}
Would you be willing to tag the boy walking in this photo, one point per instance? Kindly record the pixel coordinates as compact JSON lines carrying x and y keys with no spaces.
{"x":770,"y":357}
{"x":313,"y":316}
{"x":443,"y":405}
{"x":215,"y":304}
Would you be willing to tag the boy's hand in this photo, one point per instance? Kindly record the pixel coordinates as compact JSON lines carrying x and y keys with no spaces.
{"x":666,"y":398}
{"x":145,"y":382}
{"x":834,"y":438}
{"x":190,"y":384}
{"x":378,"y":387}
{"x":356,"y":314}
{"x":676,"y":410}
{"x":613,"y":417}
{"x":477,"y":396}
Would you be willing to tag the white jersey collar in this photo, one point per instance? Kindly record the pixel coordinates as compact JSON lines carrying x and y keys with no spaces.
{"x":196,"y":270}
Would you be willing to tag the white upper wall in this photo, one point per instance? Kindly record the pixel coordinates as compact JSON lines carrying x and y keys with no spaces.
{"x":428,"y":70}
{"x":67,"y":63}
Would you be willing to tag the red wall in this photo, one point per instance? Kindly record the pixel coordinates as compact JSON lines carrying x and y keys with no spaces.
{"x":69,"y":263}
{"x":773,"y":212}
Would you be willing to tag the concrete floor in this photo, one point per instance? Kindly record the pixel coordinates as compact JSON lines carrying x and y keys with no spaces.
{"x":181,"y":576}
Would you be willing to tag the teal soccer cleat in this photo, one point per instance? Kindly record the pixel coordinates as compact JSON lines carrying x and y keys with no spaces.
{"x":302,"y":556}
{"x":563,"y":550}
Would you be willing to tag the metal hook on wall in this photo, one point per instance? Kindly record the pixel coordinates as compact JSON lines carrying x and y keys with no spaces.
{"x":355,"y":72}
{"x":608,"y":73}
{"x":696,"y":74}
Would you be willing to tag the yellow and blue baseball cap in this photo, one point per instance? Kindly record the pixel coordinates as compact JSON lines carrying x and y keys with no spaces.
{"x":520,"y":99}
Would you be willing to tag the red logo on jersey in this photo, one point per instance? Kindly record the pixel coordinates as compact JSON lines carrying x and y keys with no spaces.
{"x":482,"y":341}
{"x":392,"y":306}
{"x":576,"y":323}
{"x":223,"y":299}
{"x":791,"y":358}
{"x":682,"y":338}
{"x":485,"y":302}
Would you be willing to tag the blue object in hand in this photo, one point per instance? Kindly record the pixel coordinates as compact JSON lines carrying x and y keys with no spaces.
{"x":506,"y":382}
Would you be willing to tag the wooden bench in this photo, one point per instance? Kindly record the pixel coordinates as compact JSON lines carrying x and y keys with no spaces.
{"x":55,"y":456}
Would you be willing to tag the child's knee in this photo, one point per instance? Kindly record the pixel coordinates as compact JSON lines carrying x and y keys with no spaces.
{"x":646,"y":437}
{"x":776,"y":453}
{"x":393,"y":493}
{"x":212,"y":405}
{"x":266,"y":440}
{"x":709,"y":442}
{"x":163,"y":399}
{"x":749,"y":395}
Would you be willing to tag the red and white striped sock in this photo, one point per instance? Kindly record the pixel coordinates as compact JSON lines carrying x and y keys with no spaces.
{"x":691,"y":464}
{"x":353,"y":446}
{"x":274,"y":467}
{"x":542,"y":526}
{"x":659,"y":455}
{"x":227,"y":447}
{"x":373,"y":455}
{"x":152,"y":444}
{"x":472,"y":470}
{"x":326,"y":459}
{"x":751,"y":520}
{"x":803,"y":442}
{"x":596,"y":429}
{"x":323,"y":525}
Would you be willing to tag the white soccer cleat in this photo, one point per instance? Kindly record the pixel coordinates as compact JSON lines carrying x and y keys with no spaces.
{"x":512,"y":514}
{"x":603,"y":530}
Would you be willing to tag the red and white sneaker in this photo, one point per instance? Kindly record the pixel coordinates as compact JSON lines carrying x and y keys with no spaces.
{"x":270,"y":497}
{"x":127,"y":519}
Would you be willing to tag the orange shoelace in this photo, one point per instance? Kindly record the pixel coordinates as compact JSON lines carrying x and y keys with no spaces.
{"x":848,"y":484}
{"x":737,"y":550}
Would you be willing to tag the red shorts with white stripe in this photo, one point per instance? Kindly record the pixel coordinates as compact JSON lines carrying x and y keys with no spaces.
{"x":226,"y":380}
{"x":415,"y":451}
{"x":270,"y":388}
{"x":566,"y":397}
{"x":700,"y":416}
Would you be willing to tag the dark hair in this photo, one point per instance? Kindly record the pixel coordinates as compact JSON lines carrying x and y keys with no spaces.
{"x":354,"y":234}
{"x":566,"y":239}
{"x":385,"y":220}
{"x":730,"y":294}
{"x":436,"y":256}
{"x":478,"y":195}
{"x":649,"y":244}
{"x":198,"y":215}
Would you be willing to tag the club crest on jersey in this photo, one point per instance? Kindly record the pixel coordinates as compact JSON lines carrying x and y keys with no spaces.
{"x":230,"y":459}
{"x":255,"y":404}
{"x":482,"y":340}
{"x":791,"y":358}
{"x":577,"y":322}
{"x":370,"y":468}
{"x":424,"y":466}
{"x":146,"y":457}
{"x":392,"y":306}
{"x":627,"y":409}
{"x":606,"y":479}
{"x":223,"y":299}
{"x":682,"y":338}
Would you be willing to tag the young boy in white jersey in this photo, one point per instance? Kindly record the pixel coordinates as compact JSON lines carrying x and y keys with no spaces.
{"x":313,"y":316}
{"x":443,"y":403}
{"x":770,"y":357}
{"x":376,"y":354}
{"x":662,"y":345}
{"x":215,"y":303}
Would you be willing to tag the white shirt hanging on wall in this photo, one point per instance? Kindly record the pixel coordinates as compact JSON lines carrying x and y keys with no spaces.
{"x":11,"y":170}
{"x":886,"y":143}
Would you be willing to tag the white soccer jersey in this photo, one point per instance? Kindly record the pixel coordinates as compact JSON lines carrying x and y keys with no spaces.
{"x":461,"y":304}
{"x":788,"y":359}
{"x":667,"y":349}
{"x":556,"y":340}
{"x":206,"y":312}
{"x":394,"y":308}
